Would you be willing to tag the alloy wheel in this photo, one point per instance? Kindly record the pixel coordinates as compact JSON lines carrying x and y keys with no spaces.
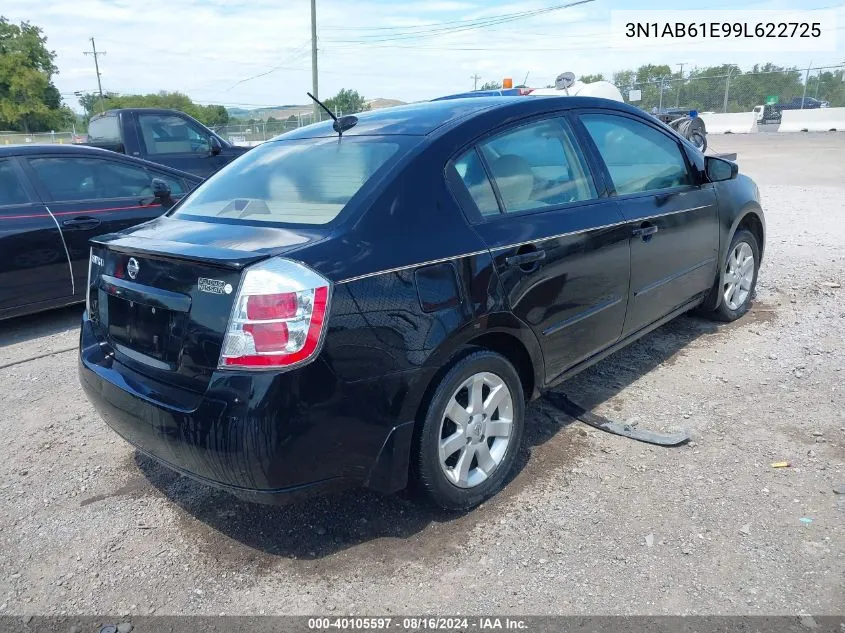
{"x":476,"y":430}
{"x":739,"y":276}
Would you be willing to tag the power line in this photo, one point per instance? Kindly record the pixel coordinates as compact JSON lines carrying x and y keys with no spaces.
{"x":298,"y":52}
{"x":516,"y":15}
{"x":371,"y":40}
{"x":459,"y":28}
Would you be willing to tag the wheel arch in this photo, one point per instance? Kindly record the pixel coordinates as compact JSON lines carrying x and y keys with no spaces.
{"x":502,"y":333}
{"x":750,"y":218}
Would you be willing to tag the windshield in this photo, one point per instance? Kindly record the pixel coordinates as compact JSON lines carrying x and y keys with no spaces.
{"x":305,"y":181}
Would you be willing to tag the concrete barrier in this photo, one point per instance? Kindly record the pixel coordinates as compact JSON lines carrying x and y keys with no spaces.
{"x":815,"y":120}
{"x":730,"y":123}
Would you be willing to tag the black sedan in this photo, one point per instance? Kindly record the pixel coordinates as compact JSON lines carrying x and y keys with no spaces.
{"x":53,"y":199}
{"x":376,"y":308}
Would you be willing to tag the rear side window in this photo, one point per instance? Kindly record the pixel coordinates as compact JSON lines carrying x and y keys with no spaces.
{"x":307,"y":181}
{"x":538,"y":165}
{"x":104,"y":130}
{"x":475,"y":179}
{"x":11,"y":190}
{"x":69,"y":179}
{"x":638,"y":157}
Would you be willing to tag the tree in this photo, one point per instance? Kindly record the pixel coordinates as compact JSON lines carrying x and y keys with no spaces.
{"x":491,"y":85}
{"x":624,"y":80}
{"x":651,"y":72}
{"x":828,"y":86}
{"x":210,"y":115}
{"x":347,"y":102}
{"x":588,"y":79}
{"x":28,"y":99}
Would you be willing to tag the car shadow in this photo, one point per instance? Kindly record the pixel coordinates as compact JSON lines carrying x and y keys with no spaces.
{"x":322,"y":526}
{"x":27,"y":328}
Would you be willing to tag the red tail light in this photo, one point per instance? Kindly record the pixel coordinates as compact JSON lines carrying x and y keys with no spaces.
{"x":268,"y":337}
{"x":277,"y":306}
{"x":278,"y":317}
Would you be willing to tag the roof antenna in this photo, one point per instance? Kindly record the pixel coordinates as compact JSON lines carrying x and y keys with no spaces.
{"x":340,"y":125}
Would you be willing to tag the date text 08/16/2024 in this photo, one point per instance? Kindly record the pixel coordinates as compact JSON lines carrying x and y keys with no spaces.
{"x":420,"y":623}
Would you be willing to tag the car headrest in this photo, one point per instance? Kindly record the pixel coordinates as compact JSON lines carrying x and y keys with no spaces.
{"x":515,"y":179}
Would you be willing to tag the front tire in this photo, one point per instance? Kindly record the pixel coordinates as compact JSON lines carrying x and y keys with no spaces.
{"x":739,"y":276}
{"x":471,"y":432}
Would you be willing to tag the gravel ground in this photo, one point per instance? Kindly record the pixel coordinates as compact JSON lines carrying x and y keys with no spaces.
{"x":591,"y":524}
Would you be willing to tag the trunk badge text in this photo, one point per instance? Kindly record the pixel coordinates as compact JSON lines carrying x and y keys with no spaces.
{"x":132,"y":268}
{"x":214,"y":286}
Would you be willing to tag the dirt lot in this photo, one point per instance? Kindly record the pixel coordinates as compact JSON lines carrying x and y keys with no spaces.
{"x":591,"y":524}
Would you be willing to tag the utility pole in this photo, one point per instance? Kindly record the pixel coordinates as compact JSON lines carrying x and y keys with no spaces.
{"x":727,"y":89}
{"x":94,"y":52}
{"x":806,"y":81}
{"x":678,"y":93}
{"x":314,"y":89}
{"x":475,"y":79}
{"x":660,"y":107}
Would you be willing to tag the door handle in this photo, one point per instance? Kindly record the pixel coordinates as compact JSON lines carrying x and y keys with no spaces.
{"x":81,"y":222}
{"x":646,"y":230}
{"x":525,"y":258}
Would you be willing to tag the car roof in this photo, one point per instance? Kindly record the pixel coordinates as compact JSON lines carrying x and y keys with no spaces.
{"x":424,"y":118}
{"x":114,"y":111}
{"x":53,"y":149}
{"x":27,"y":149}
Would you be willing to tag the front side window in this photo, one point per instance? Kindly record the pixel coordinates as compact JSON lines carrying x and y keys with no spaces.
{"x":305,"y":181}
{"x":170,"y":134}
{"x":538,"y":165}
{"x":638,"y":157}
{"x":72,"y":178}
{"x":11,"y":190}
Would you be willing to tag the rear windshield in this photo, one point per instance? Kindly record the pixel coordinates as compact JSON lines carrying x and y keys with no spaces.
{"x":104,"y":130}
{"x":304,"y":181}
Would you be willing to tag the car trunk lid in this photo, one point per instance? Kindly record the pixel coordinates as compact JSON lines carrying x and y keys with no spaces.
{"x":161,"y":295}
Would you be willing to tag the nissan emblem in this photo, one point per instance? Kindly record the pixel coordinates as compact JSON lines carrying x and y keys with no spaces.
{"x":132,"y":268}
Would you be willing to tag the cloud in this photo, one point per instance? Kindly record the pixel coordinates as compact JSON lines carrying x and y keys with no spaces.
{"x":205,"y":47}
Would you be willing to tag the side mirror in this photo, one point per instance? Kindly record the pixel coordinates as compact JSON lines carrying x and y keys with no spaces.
{"x":718,"y":169}
{"x":161,"y":189}
{"x":215,"y":146}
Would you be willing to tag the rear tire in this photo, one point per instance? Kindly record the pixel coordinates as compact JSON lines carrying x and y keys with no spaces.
{"x":739,"y":277}
{"x":699,"y":140}
{"x":471,"y":432}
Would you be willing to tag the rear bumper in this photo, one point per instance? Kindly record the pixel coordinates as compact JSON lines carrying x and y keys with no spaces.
{"x":271,"y":438}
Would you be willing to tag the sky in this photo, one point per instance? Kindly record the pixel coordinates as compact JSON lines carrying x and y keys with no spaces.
{"x":253,"y":53}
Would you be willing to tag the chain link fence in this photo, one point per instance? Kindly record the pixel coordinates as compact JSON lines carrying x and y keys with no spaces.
{"x":15,"y":138}
{"x":260,"y":131}
{"x":731,"y":91}
{"x":737,"y":91}
{"x":237,"y":133}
